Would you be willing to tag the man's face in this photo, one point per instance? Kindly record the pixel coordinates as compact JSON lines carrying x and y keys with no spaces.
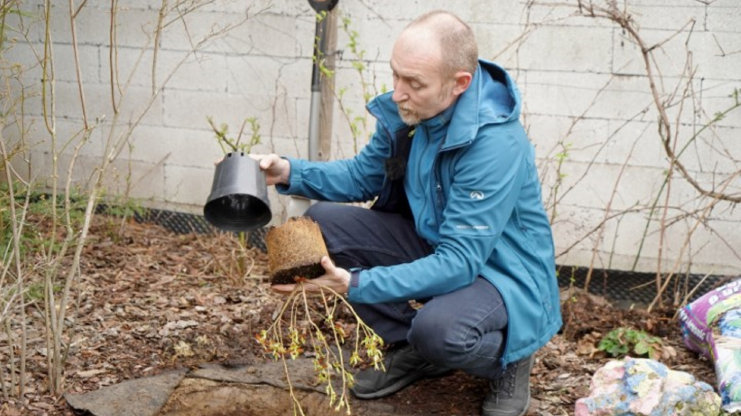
{"x":421,"y":90}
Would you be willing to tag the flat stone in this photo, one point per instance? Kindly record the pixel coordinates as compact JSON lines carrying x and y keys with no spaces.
{"x":140,"y":397}
{"x":270,"y":373}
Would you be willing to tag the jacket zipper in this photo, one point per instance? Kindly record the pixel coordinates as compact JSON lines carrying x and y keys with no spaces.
{"x":438,"y":200}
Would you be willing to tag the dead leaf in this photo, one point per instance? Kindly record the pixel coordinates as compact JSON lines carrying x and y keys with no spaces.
{"x":90,"y":373}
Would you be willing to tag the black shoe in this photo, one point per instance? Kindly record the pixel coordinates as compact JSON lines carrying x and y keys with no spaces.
{"x":510,"y":393}
{"x":404,"y":366}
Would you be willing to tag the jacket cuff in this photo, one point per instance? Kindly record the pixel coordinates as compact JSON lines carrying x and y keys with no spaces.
{"x":354,"y":278}
{"x":293,"y":178}
{"x":354,"y":282}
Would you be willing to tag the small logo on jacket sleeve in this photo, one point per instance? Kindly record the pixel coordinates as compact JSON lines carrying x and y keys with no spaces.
{"x":476,"y":195}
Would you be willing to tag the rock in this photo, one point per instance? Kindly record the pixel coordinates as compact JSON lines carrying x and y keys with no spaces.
{"x":141,"y":397}
{"x":645,"y":387}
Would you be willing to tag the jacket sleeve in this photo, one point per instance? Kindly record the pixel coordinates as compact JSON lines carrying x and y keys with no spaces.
{"x":486,"y":179}
{"x":348,"y":180}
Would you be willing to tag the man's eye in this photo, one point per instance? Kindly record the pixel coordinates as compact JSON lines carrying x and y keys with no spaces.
{"x":415,"y":85}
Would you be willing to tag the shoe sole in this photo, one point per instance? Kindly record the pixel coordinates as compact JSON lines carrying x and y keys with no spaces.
{"x":399,"y":385}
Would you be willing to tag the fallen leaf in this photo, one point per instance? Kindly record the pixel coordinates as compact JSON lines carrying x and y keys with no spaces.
{"x":90,"y":373}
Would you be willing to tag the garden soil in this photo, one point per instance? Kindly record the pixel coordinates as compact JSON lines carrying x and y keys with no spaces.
{"x":154,"y":303}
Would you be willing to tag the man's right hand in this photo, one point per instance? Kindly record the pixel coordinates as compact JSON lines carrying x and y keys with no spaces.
{"x":277,"y":170}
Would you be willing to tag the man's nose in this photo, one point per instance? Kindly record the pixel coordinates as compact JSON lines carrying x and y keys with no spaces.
{"x":399,"y":95}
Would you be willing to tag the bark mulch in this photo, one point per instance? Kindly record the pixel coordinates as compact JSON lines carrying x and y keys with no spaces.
{"x":151,"y":301}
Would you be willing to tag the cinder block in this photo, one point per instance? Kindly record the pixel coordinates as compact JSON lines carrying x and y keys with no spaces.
{"x":567,"y":48}
{"x":43,"y":172}
{"x":70,"y":132}
{"x":712,"y":151}
{"x":496,"y":12}
{"x":687,"y":195}
{"x":134,"y":27}
{"x":499,"y":42}
{"x":585,"y":95}
{"x":202,"y":72}
{"x":27,"y":28}
{"x":624,"y":231}
{"x":261,"y":75}
{"x":186,"y":147}
{"x":383,"y":9}
{"x":263,"y":33}
{"x":227,"y":108}
{"x":270,"y":34}
{"x":344,"y":144}
{"x":65,"y":67}
{"x":138,"y":105}
{"x":579,"y":244}
{"x":172,"y":69}
{"x":549,"y":12}
{"x":670,"y":18}
{"x":580,"y":139}
{"x":575,"y":227}
{"x":144,"y":181}
{"x":715,"y":97}
{"x":290,"y":147}
{"x":375,"y":35}
{"x":716,"y":54}
{"x":595,"y":185}
{"x":187,"y":184}
{"x":21,"y":53}
{"x":723,"y":16}
{"x":636,"y":141}
{"x":711,"y":55}
{"x":69,"y":105}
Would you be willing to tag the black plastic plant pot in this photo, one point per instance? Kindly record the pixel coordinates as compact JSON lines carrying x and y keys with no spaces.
{"x":239,"y":195}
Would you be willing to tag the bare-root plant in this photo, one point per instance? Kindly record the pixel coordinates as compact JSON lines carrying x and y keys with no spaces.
{"x":308,"y":324}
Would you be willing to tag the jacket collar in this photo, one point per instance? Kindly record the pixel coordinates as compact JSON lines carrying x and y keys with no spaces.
{"x":492,"y":98}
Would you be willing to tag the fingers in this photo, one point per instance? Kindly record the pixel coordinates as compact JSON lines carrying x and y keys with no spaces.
{"x":334,"y":278}
{"x":266,"y":161}
{"x":329,"y":267}
{"x":283,"y":289}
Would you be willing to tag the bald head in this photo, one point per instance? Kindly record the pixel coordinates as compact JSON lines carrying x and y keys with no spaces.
{"x":452,"y":38}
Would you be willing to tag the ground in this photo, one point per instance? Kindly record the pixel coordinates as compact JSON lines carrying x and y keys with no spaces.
{"x":151,"y":300}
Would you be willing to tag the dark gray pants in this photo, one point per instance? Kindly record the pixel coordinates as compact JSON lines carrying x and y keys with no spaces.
{"x":464,"y":329}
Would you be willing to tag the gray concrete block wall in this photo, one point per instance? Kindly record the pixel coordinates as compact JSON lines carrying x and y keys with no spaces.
{"x":583,"y":82}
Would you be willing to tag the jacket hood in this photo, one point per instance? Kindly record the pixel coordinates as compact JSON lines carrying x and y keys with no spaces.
{"x":492,"y":98}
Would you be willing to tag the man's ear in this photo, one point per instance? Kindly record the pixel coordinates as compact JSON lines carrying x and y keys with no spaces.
{"x":462,"y":82}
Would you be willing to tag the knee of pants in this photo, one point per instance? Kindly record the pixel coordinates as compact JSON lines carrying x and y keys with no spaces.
{"x":321,"y":212}
{"x":437,"y":342}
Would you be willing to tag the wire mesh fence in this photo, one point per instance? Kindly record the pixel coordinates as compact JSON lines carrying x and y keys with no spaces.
{"x":622,"y":286}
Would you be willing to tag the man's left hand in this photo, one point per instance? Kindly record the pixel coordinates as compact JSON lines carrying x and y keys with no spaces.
{"x":335,"y":278}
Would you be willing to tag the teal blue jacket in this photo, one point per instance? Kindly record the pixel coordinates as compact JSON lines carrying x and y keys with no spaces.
{"x":473,"y":190}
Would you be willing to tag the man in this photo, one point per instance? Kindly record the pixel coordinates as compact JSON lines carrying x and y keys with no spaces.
{"x":457,"y":223}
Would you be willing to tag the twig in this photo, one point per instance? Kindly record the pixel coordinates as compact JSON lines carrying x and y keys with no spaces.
{"x":76,"y":57}
{"x":19,"y":276}
{"x":606,"y":215}
{"x":113,"y":55}
{"x":156,"y":44}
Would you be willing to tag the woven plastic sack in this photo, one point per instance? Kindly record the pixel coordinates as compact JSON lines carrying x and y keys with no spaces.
{"x":711,"y":325}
